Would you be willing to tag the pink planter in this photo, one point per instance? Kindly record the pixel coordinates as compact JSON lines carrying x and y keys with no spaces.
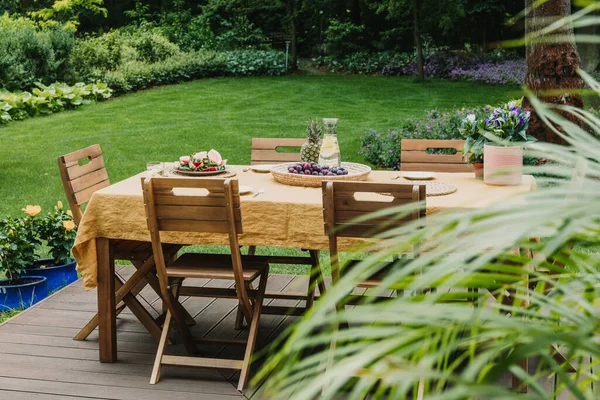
{"x":503,"y":165}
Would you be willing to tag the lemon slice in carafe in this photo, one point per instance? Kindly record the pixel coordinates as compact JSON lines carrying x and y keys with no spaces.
{"x":328,"y":148}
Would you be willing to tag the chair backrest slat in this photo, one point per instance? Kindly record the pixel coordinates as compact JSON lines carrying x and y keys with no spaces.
{"x":343,"y":204}
{"x":194,"y":205}
{"x":81,"y":181}
{"x":264,"y":150}
{"x":414,"y":156}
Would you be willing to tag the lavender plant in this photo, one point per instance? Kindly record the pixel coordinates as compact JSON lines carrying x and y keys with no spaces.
{"x":510,"y":72}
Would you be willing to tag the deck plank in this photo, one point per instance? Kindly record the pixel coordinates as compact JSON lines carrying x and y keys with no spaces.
{"x":41,"y":361}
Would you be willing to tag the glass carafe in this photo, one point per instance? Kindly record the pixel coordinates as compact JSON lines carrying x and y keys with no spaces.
{"x":330,"y":150}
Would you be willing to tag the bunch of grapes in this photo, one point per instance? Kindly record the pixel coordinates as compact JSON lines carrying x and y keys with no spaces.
{"x":312,"y":168}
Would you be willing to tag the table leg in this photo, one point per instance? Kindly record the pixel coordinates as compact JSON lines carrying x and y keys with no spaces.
{"x":107,"y":317}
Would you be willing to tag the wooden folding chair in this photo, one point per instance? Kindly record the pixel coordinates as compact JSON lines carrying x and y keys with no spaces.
{"x":202,"y":205}
{"x":341,"y":207}
{"x":83,"y":173}
{"x":265,"y":150}
{"x":414,"y":156}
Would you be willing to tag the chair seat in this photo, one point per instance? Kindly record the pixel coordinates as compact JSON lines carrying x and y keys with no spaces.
{"x":213,"y":266}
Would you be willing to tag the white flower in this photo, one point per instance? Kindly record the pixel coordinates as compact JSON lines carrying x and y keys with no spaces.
{"x":527,"y":113}
{"x":512,"y":104}
{"x":471,"y":117}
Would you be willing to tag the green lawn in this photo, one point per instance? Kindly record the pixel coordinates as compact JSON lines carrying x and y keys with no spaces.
{"x":167,"y":122}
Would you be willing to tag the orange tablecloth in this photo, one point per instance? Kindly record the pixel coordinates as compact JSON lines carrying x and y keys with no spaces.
{"x":284,"y":216}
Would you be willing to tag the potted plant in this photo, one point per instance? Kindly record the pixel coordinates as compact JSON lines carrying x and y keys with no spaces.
{"x":506,"y":132}
{"x":17,"y":252}
{"x":471,"y":128}
{"x":58,"y":230}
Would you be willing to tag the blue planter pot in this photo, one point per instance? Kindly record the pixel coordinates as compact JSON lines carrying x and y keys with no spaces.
{"x":58,"y":276}
{"x":34,"y":289}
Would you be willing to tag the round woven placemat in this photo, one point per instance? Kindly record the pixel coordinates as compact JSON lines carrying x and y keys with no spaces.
{"x":356,"y":172}
{"x":432,"y":188}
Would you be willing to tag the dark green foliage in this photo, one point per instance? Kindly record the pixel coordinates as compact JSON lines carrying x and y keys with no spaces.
{"x":29,"y":55}
{"x":135,"y":75}
{"x":363,"y":62}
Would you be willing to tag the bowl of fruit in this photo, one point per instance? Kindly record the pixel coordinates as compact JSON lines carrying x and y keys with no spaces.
{"x":312,"y":174}
{"x":202,"y":163}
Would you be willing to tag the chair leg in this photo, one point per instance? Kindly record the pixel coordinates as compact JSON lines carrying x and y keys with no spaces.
{"x":239,"y":318}
{"x":178,"y":313}
{"x":251,"y":250}
{"x":162,"y":344}
{"x":253,"y":333}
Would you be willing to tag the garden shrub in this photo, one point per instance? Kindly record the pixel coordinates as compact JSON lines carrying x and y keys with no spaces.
{"x":152,"y":47}
{"x":383,"y":149}
{"x":362,"y":62}
{"x":254,"y":62}
{"x":135,"y":75}
{"x":29,"y":55}
{"x":109,"y":51}
{"x":343,"y":37}
{"x":97,"y":53}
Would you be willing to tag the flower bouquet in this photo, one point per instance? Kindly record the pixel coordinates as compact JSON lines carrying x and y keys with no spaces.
{"x":506,"y":132}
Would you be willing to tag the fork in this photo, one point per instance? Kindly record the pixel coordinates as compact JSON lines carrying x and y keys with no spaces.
{"x":246,"y":169}
{"x":397,"y":177}
{"x":260,"y":191}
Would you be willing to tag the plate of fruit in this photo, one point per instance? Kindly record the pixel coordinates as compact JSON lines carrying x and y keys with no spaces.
{"x":203,"y":163}
{"x":312,"y":174}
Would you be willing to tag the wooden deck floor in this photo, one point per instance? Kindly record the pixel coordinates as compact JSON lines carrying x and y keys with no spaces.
{"x":40,"y":360}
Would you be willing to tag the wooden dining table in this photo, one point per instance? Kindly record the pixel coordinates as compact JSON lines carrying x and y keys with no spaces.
{"x":280,"y":215}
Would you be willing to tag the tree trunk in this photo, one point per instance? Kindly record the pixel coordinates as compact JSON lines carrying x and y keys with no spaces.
{"x":551,"y":66}
{"x":418,"y":43}
{"x":294,"y":34}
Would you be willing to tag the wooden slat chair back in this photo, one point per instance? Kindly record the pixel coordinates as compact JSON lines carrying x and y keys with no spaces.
{"x":212,"y":206}
{"x":81,"y":180}
{"x":83,"y":173}
{"x":343,"y":204}
{"x":265,"y":150}
{"x":172,"y":205}
{"x":414,"y":156}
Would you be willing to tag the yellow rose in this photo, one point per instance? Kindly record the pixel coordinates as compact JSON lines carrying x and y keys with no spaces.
{"x":69,"y":213}
{"x":32,"y":211}
{"x":11,"y":232}
{"x":69,"y":225}
{"x":59,"y":205}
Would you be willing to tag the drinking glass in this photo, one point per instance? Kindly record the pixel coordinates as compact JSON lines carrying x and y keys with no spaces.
{"x":154,"y":167}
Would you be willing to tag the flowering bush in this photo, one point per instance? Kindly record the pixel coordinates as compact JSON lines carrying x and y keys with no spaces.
{"x":19,"y":242}
{"x":21,"y":239}
{"x":510,"y":72}
{"x":383,"y":150}
{"x":58,"y":230}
